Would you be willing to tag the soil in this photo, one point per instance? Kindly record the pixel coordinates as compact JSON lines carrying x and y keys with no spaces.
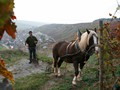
{"x":22,"y":68}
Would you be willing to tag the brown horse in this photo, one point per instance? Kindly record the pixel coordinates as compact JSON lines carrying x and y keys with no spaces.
{"x":76,"y":52}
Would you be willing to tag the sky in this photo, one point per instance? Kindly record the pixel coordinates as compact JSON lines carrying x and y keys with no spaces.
{"x":64,"y":11}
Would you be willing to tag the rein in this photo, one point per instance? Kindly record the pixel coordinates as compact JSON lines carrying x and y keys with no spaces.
{"x":74,"y":54}
{"x":91,"y":48}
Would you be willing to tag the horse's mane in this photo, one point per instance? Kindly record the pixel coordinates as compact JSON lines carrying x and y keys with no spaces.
{"x":85,"y":39}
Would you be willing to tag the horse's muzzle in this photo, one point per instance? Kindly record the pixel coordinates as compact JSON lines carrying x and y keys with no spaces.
{"x":96,"y":49}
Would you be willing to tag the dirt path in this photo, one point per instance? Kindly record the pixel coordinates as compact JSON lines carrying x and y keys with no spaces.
{"x":22,"y":68}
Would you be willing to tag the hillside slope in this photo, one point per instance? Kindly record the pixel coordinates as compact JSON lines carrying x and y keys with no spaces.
{"x":67,"y":31}
{"x":64,"y":31}
{"x":23,"y":25}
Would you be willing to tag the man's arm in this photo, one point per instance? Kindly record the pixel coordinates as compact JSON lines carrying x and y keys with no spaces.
{"x":26,"y":42}
{"x":36,"y":41}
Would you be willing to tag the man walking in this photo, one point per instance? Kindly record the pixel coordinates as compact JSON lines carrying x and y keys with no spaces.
{"x":31,"y":42}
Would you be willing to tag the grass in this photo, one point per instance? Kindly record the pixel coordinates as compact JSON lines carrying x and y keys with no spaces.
{"x":118,"y":70}
{"x":64,"y":85}
{"x":32,"y":82}
{"x":11,"y":56}
{"x":44,"y":58}
{"x":14,"y":55}
{"x":2,"y":48}
{"x":36,"y":81}
{"x":89,"y":73}
{"x":85,"y":84}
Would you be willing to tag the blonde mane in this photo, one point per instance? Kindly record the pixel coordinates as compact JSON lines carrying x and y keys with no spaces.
{"x":85,"y":39}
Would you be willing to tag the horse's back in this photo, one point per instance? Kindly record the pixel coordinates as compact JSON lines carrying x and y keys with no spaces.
{"x":59,"y":48}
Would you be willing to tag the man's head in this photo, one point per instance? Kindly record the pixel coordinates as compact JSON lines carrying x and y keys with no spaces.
{"x":30,"y":33}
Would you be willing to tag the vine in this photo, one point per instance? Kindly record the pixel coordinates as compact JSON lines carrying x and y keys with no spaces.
{"x":7,"y":25}
{"x":110,"y":43}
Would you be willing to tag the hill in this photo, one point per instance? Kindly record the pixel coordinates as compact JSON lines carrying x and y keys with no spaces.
{"x":64,"y":31}
{"x":67,"y":31}
{"x":22,"y":25}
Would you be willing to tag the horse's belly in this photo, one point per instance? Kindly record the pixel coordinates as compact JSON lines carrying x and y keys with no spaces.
{"x":68,"y":60}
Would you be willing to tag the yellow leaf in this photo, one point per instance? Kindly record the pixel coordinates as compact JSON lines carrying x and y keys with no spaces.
{"x":5,"y":72}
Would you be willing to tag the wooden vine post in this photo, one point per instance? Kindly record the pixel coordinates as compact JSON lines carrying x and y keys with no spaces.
{"x":100,"y":57}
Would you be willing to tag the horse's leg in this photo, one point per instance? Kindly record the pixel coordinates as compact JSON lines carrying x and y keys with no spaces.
{"x":55,"y":64}
{"x":79,"y":77}
{"x":75,"y":64}
{"x":79,"y":74}
{"x":59,"y":64}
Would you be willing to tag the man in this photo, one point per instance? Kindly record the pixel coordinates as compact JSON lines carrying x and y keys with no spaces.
{"x":31,"y":42}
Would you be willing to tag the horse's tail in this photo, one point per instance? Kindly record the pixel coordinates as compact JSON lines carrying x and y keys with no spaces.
{"x":55,"y":56}
{"x":55,"y":60}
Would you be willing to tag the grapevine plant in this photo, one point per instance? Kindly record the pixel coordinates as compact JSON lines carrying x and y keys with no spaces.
{"x":110,"y":45}
{"x":7,"y":25}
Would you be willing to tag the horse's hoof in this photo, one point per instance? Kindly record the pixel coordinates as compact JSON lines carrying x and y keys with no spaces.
{"x":79,"y":79}
{"x":74,"y":83}
{"x":59,"y":75}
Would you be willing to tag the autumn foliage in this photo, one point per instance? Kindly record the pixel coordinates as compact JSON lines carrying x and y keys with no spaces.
{"x":6,"y":17}
{"x":7,"y":25}
{"x":5,"y":72}
{"x":110,"y":45}
{"x":111,"y":41}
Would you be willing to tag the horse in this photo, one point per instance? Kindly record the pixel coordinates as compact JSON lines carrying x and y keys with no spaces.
{"x":76,"y":52}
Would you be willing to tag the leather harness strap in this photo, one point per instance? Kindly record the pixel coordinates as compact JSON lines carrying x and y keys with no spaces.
{"x":68,"y":47}
{"x":77,"y":46}
{"x":75,"y":43}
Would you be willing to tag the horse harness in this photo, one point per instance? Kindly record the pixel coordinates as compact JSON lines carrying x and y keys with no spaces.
{"x":86,"y":52}
{"x":75,"y":45}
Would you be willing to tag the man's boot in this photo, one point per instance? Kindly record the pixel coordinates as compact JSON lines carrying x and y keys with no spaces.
{"x":30,"y":61}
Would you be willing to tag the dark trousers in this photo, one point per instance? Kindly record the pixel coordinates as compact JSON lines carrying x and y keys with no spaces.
{"x":32,"y":52}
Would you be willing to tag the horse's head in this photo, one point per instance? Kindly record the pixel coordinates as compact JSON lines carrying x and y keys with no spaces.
{"x":89,"y":41}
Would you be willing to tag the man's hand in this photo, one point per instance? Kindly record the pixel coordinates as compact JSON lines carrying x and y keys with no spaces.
{"x":35,"y":42}
{"x":27,"y":45}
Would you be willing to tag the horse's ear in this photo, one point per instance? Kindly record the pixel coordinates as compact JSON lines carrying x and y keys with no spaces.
{"x":95,"y":29}
{"x":87,"y":31}
{"x":79,"y":34}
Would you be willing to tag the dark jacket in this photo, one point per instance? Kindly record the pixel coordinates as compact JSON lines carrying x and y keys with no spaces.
{"x":31,"y":41}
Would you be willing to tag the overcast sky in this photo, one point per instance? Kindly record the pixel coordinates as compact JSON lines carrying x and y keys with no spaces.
{"x":64,"y":11}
